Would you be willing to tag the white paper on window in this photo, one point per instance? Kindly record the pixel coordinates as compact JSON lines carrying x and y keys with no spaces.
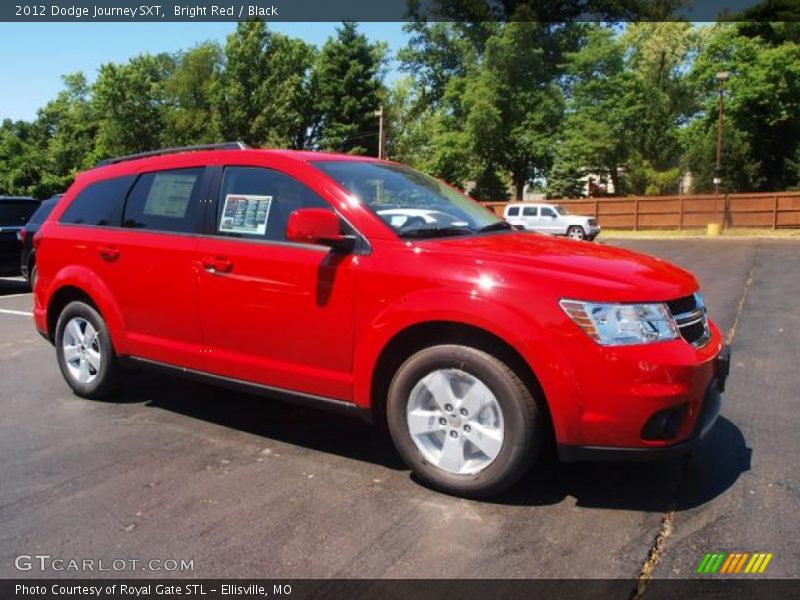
{"x":245,"y":213}
{"x":169,"y":195}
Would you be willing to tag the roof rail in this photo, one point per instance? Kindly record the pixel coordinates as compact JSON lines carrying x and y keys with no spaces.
{"x":199,"y":147}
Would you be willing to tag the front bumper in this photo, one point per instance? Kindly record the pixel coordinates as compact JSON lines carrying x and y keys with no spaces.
{"x":706,"y":417}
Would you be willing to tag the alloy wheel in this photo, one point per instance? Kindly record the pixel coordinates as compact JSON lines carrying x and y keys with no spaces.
{"x":455,"y":421}
{"x":81,"y":347}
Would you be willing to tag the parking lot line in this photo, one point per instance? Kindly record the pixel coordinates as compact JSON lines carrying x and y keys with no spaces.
{"x":20,"y":313}
{"x":15,"y":295}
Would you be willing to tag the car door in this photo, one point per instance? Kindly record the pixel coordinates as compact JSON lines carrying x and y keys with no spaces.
{"x":149,"y":263}
{"x":549,"y":221}
{"x":272,"y":312}
{"x":530,"y":218}
{"x":14,"y":213}
{"x":513,"y":216}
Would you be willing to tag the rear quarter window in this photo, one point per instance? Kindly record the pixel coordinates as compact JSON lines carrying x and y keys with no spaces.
{"x":513,"y":211}
{"x":42,"y":212}
{"x":99,"y":203}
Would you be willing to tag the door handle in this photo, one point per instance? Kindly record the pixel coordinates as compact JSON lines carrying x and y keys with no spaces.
{"x":109,"y":253}
{"x":217,"y":264}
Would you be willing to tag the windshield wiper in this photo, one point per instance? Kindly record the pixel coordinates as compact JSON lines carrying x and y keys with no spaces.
{"x":426,"y":232}
{"x":497,"y":226}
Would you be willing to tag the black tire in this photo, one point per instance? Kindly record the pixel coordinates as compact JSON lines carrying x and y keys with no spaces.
{"x":106,"y":376}
{"x":523,"y":421}
{"x":576,"y":232}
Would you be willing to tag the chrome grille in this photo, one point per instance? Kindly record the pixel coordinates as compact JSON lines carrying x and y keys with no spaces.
{"x":690,"y":316}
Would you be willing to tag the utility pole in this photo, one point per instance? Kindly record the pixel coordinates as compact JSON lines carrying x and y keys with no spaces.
{"x":381,"y":129}
{"x":722,"y":77}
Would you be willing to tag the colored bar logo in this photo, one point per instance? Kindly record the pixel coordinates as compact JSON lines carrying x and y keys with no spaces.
{"x":735,"y":562}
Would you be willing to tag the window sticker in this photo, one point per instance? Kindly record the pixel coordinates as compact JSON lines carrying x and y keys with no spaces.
{"x":169,"y":195}
{"x":245,"y":213}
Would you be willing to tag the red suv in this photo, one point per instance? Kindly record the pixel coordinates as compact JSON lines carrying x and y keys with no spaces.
{"x":366,"y":287}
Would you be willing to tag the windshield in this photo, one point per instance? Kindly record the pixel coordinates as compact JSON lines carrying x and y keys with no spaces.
{"x":411,"y":203}
{"x":561,"y":210}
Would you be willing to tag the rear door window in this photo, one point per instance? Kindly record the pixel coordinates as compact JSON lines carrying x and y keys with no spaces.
{"x":165,"y":201}
{"x":99,"y":203}
{"x":548,"y":212}
{"x":529,"y":211}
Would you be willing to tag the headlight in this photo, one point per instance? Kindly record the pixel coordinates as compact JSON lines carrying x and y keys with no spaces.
{"x":622,"y":324}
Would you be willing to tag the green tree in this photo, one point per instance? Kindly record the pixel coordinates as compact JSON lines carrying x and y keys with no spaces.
{"x":436,"y":53}
{"x":22,"y":162}
{"x":546,"y":12}
{"x":425,"y":136}
{"x":495,"y":88}
{"x":514,"y":104}
{"x":67,"y":129}
{"x":190,"y":118}
{"x":130,"y":102}
{"x":740,"y":169}
{"x":761,"y":141}
{"x":565,"y":179}
{"x":599,"y":130}
{"x":490,"y":184}
{"x":348,"y":83}
{"x":657,"y":54}
{"x":629,"y":100}
{"x":263,"y":92}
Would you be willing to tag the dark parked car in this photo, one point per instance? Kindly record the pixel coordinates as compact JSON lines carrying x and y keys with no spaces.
{"x":25,"y":236}
{"x":15,"y":211}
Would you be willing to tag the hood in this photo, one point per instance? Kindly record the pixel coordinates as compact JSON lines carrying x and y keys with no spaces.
{"x":584,"y":270}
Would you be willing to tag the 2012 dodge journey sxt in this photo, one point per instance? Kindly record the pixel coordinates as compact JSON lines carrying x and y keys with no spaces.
{"x":367,"y":287}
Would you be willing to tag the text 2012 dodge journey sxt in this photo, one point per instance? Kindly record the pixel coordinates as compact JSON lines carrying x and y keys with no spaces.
{"x":367,"y":287}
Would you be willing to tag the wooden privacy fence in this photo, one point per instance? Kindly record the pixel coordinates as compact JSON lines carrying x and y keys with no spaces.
{"x":770,"y":210}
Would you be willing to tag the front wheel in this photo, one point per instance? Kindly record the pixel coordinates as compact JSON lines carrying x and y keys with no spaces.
{"x":84,"y":351}
{"x":576,"y":232}
{"x":463,"y":421}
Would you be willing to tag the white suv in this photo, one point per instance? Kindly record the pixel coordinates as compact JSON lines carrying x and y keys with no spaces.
{"x":552,"y":219}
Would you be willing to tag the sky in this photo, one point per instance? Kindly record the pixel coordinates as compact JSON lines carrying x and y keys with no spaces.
{"x":36,"y":55}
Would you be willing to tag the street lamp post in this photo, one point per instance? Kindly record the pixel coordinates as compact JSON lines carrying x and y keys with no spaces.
{"x":722,"y":77}
{"x":381,"y":141}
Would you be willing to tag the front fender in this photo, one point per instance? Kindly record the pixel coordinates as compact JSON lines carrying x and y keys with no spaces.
{"x":579,"y":222}
{"x":508,"y":323}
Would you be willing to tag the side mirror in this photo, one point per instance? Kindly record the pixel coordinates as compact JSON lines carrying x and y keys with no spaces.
{"x":318,"y":226}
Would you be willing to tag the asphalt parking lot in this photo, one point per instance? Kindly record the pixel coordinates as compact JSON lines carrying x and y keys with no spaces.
{"x":246,"y":487}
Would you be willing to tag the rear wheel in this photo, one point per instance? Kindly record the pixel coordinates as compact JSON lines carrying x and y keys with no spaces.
{"x":576,"y":232}
{"x":84,"y":351}
{"x":463,"y":421}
